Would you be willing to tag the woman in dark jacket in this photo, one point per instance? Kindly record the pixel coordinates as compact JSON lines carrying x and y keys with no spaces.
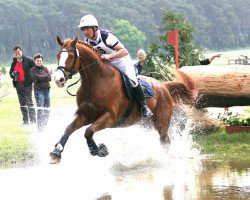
{"x":41,"y":77}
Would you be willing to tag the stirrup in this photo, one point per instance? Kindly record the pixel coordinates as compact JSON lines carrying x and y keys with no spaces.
{"x":146,"y":112}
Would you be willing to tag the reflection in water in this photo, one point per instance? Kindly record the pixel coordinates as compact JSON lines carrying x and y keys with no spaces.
{"x":138,"y":167}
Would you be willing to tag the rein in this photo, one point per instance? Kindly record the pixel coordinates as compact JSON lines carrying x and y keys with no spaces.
{"x":95,"y":62}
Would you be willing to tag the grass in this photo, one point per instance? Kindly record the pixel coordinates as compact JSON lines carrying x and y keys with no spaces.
{"x":14,"y":143}
{"x":226,"y":147}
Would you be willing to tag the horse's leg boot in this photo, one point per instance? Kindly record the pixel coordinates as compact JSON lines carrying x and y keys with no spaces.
{"x":93,"y":149}
{"x":146,"y":112}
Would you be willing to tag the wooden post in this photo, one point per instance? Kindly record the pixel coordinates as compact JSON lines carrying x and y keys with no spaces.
{"x":172,"y":37}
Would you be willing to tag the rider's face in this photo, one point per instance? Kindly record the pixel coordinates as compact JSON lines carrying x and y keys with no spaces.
{"x":88,"y":32}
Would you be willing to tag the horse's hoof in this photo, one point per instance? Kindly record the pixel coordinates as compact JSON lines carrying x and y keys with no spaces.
{"x":55,"y":156}
{"x":54,"y":159}
{"x":102,"y":150}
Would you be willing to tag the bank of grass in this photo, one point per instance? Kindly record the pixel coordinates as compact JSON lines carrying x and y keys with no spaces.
{"x":226,"y":147}
{"x":14,"y":143}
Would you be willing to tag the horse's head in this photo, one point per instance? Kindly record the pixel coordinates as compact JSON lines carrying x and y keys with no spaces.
{"x":68,"y":61}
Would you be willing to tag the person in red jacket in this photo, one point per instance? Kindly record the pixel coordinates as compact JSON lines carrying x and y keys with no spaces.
{"x":20,"y":73}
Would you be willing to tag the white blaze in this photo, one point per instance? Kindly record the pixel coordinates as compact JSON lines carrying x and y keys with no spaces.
{"x":59,"y":76}
{"x":63,"y":57}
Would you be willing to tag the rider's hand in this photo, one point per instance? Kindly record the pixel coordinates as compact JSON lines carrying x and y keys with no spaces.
{"x":105,"y":57}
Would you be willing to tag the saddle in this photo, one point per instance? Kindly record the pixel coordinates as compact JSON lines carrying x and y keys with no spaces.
{"x":147,"y":89}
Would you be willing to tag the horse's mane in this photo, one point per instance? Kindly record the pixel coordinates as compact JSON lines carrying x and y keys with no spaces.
{"x":96,"y":51}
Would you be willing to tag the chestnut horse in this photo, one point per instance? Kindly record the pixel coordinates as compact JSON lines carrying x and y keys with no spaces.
{"x":101,"y":97}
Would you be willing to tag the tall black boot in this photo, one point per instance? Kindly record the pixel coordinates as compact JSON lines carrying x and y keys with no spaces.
{"x":145,"y":111}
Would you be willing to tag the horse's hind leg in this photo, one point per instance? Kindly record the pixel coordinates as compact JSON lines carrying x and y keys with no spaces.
{"x":78,"y":122}
{"x":161,"y":121}
{"x":103,"y":122}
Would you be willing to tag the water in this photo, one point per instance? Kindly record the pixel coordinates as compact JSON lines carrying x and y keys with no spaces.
{"x":137,"y":167}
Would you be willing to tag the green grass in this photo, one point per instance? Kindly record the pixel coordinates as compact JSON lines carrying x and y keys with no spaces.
{"x":14,"y":144}
{"x":224,"y":146}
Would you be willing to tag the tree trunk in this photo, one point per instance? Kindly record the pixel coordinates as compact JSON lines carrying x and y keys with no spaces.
{"x":221,"y":86}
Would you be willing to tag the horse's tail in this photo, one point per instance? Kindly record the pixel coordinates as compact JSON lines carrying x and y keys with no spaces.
{"x":183,"y":88}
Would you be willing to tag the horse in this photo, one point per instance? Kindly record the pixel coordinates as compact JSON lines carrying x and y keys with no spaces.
{"x":102,"y":100}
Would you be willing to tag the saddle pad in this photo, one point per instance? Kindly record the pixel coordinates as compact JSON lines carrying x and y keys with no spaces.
{"x":147,"y":89}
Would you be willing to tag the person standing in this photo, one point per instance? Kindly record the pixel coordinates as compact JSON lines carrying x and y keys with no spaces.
{"x":20,"y":73}
{"x":41,"y":77}
{"x":139,"y":66}
{"x":114,"y":51}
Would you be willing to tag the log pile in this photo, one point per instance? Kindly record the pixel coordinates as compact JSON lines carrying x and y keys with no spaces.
{"x":221,"y":86}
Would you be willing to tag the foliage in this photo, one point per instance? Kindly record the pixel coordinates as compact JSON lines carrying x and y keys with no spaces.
{"x":129,"y":35}
{"x":34,"y":24}
{"x":161,"y":55}
{"x":234,"y":120}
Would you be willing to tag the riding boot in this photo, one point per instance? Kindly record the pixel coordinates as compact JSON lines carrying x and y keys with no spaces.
{"x":145,"y":111}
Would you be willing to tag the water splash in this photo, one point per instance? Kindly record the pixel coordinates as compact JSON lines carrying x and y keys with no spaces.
{"x":137,"y":162}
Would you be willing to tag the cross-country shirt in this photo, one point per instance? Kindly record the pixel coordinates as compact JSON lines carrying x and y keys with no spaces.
{"x":105,"y":43}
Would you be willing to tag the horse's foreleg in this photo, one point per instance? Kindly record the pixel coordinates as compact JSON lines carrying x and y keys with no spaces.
{"x":103,"y":122}
{"x":78,"y":122}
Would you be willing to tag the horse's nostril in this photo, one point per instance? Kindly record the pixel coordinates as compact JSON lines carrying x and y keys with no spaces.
{"x":61,"y":80}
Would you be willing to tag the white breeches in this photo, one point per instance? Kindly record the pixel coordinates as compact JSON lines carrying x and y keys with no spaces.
{"x":126,"y":67}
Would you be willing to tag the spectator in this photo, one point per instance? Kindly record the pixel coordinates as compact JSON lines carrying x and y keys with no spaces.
{"x":41,"y":77}
{"x":141,"y":55}
{"x":209,"y":60}
{"x":20,"y":73}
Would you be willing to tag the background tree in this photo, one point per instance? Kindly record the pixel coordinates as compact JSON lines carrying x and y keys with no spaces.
{"x":161,"y":55}
{"x":34,"y":24}
{"x":129,"y":35}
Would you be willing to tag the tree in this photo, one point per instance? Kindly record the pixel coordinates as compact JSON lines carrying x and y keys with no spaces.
{"x":129,"y":35}
{"x":161,"y":56}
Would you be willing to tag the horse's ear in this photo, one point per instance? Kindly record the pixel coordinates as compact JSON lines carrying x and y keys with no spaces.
{"x":59,"y":41}
{"x":73,"y":43}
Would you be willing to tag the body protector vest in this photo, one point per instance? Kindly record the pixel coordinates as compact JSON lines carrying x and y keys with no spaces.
{"x":105,"y":43}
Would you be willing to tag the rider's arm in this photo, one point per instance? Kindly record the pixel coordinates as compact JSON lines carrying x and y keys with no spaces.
{"x":116,"y":45}
{"x":120,"y":52}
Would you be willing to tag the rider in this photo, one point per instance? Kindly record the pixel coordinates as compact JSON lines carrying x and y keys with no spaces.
{"x":114,"y":51}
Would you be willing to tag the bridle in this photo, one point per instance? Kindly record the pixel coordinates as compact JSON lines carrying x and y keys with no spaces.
{"x":72,"y":70}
